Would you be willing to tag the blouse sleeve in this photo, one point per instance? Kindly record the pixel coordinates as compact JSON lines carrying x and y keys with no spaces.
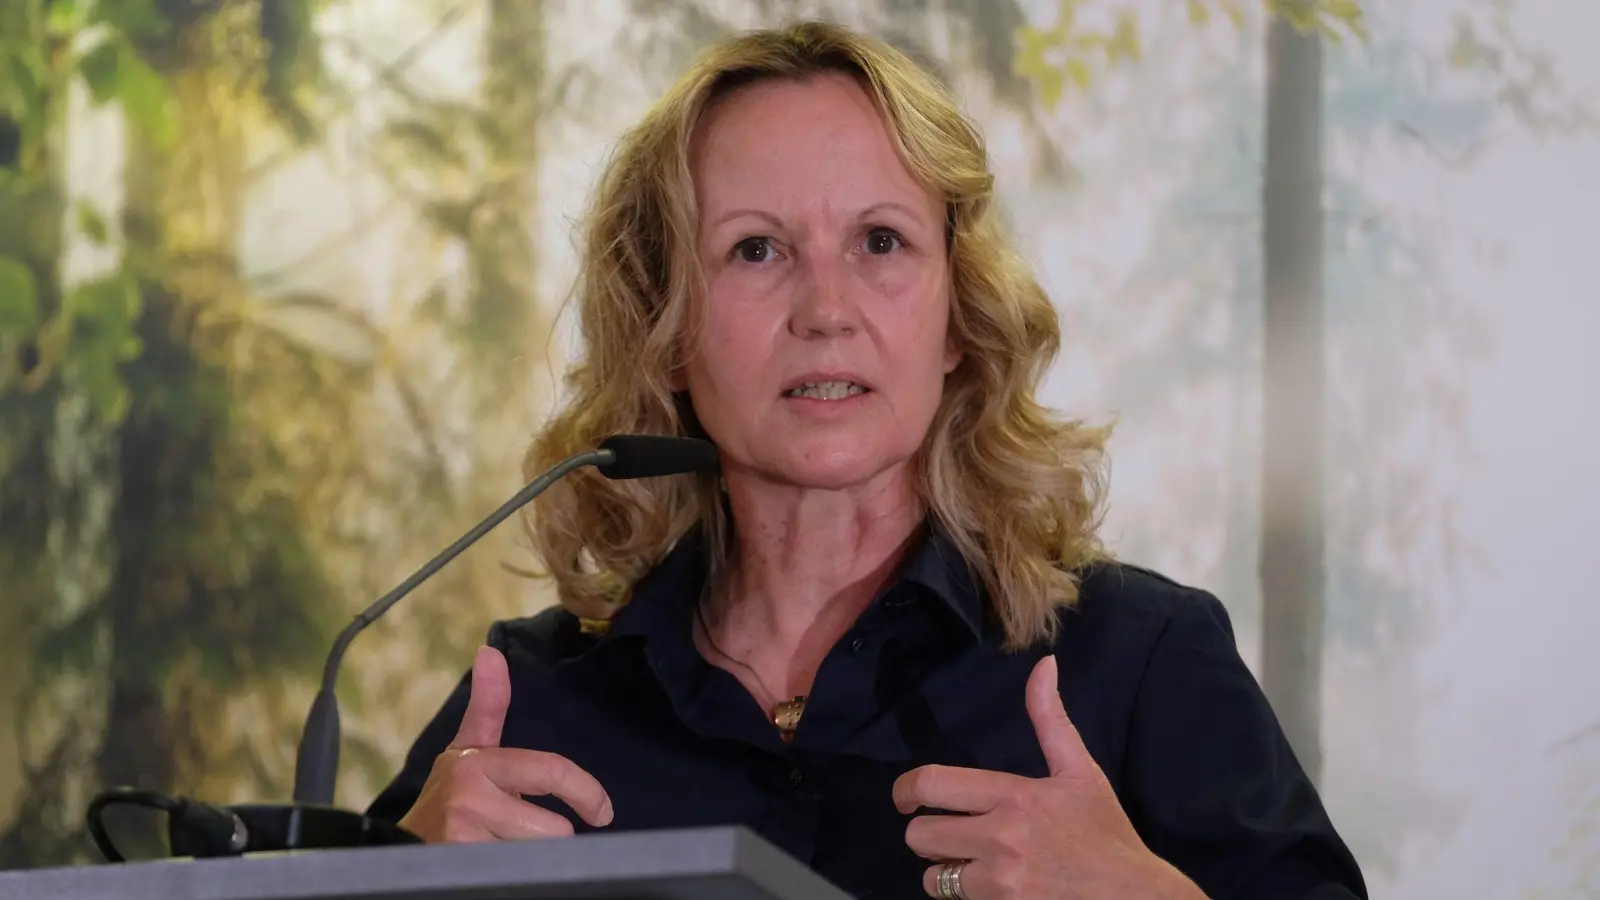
{"x":1215,"y":789}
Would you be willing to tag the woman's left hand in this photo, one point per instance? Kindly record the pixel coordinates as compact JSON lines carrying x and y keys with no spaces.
{"x":1062,"y":837}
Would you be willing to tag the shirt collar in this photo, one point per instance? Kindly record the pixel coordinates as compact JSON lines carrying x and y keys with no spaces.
{"x":937,"y":565}
{"x":663,"y":601}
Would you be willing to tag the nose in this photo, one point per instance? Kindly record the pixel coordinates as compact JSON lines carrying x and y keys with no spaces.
{"x":823,"y":303}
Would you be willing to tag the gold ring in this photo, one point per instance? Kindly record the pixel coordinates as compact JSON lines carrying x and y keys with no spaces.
{"x":950,"y":881}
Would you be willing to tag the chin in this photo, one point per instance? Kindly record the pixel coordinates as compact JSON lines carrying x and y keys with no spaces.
{"x":838,"y":469}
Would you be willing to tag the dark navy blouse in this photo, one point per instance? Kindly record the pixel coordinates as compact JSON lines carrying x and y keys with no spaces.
{"x":1149,"y":671}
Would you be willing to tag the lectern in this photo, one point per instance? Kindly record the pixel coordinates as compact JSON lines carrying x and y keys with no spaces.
{"x":728,"y":863}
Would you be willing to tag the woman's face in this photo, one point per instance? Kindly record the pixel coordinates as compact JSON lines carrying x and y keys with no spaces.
{"x":827,"y":303}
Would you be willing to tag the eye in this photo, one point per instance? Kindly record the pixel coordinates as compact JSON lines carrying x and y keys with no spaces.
{"x":754,"y":250}
{"x":882,"y":241}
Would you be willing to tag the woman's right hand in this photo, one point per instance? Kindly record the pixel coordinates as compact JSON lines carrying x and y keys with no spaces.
{"x":474,"y":792}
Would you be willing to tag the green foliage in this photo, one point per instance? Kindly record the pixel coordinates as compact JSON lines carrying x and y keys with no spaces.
{"x":87,"y":340}
{"x":113,"y":70}
{"x":1521,"y":76}
{"x":1068,"y":53}
{"x":113,"y":45}
{"x":109,"y":46}
{"x":26,"y":85}
{"x":97,"y":322}
{"x":19,"y":299}
{"x":1332,"y":19}
{"x":293,"y":61}
{"x":92,"y":224}
{"x":56,"y":41}
{"x":134,"y":20}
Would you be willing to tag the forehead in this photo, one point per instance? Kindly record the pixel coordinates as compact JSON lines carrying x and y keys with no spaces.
{"x":786,"y":142}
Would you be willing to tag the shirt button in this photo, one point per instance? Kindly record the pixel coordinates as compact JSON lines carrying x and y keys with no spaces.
{"x":858,"y":645}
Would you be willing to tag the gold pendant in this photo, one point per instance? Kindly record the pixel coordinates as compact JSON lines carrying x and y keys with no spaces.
{"x":786,"y":716}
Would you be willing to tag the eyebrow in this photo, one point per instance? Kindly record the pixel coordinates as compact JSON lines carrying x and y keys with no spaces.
{"x":866,"y":213}
{"x":732,"y":214}
{"x":902,"y":208}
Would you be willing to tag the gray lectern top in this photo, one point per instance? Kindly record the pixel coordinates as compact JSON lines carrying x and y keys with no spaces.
{"x":729,"y":863}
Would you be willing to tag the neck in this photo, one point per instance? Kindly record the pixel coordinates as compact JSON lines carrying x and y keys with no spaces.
{"x":805,"y":565}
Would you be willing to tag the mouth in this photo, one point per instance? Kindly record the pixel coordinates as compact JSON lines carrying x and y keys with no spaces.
{"x":826,"y":390}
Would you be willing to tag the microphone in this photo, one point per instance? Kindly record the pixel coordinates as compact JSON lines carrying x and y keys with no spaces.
{"x":203,"y":830}
{"x":622,"y":456}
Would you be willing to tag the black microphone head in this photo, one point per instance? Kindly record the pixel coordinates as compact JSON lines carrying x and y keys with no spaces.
{"x":651,"y":456}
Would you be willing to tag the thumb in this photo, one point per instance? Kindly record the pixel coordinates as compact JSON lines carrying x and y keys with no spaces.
{"x":1058,"y":737}
{"x":488,"y":702}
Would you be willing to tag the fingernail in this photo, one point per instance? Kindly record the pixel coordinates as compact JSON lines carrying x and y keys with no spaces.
{"x":607,"y":813}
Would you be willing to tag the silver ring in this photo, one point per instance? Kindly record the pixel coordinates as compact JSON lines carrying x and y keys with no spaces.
{"x":950,"y":881}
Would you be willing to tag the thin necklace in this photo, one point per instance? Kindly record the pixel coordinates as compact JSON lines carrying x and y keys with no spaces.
{"x":785,"y":714}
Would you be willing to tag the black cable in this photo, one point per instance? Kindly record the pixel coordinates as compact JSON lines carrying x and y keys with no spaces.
{"x":128,"y":797}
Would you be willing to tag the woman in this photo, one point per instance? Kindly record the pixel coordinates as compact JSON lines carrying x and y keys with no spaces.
{"x":864,"y":637}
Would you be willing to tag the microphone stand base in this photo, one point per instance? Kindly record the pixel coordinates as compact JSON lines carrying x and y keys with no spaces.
{"x":279,"y":827}
{"x":197,"y":830}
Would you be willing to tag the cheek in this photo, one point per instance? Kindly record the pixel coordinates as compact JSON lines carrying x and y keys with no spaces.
{"x":734,"y":340}
{"x":925,"y":309}
{"x":918,"y":353}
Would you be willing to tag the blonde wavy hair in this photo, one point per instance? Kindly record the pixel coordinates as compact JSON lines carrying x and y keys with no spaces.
{"x":1016,"y":488}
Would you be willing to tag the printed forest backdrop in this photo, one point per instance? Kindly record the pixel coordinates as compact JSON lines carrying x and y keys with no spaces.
{"x":281,"y":294}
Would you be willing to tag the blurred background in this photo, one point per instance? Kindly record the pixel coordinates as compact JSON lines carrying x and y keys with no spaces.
{"x":282,"y":286}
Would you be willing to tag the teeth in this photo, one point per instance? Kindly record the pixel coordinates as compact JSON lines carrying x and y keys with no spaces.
{"x":827,"y":390}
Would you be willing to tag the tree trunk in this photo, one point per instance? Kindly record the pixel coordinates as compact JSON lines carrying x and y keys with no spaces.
{"x":507,"y":314}
{"x":504,"y":245}
{"x":1292,"y":552}
{"x":181,"y":207}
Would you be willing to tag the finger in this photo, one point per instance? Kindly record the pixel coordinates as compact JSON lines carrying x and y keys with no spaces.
{"x":952,"y":788}
{"x":536,"y":773}
{"x":949,"y":837}
{"x":485,"y":717}
{"x":463,"y":826}
{"x":1058,"y":737}
{"x":478,"y":812}
{"x":510,"y":818}
{"x":974,"y":881}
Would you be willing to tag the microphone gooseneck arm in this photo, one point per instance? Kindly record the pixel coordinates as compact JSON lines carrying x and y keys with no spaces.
{"x":204,"y":830}
{"x":317,"y":764}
